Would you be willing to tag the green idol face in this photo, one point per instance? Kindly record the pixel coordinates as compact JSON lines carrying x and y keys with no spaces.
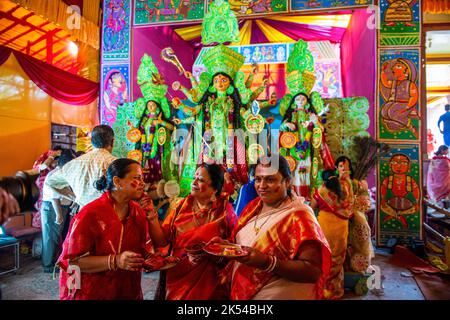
{"x":221,"y":82}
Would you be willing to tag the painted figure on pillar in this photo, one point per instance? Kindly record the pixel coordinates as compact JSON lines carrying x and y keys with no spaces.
{"x":400,"y":93}
{"x":399,"y":191}
{"x":115,"y":93}
{"x":114,"y":33}
{"x":301,"y":138}
{"x":217,"y":99}
{"x":399,"y":12}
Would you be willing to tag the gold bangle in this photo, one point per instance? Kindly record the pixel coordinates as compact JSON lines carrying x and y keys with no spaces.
{"x":274,"y":264}
{"x":266,"y":269}
{"x":109,"y":262}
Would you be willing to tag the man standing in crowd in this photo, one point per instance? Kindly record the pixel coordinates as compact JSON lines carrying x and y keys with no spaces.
{"x":80,"y":173}
{"x":446,"y":119}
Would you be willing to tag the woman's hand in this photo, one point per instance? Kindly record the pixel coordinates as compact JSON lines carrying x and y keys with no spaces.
{"x":255,"y":259}
{"x":130,"y":261}
{"x":146,"y":203}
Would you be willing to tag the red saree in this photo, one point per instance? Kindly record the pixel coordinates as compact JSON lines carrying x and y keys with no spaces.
{"x":282,"y":240}
{"x":195,"y":280}
{"x":97,"y":231}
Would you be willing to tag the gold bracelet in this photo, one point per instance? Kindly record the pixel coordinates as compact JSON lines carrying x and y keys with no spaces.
{"x":274,"y":264}
{"x":109,"y":262}
{"x":271,"y":258}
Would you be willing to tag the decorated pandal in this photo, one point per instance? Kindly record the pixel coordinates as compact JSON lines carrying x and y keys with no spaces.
{"x":220,"y":120}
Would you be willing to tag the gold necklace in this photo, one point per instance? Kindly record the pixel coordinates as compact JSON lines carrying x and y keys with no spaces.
{"x":258,"y":229}
{"x":196,"y":209}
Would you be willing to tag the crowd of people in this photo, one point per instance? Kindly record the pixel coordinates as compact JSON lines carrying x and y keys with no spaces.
{"x":114,"y":228}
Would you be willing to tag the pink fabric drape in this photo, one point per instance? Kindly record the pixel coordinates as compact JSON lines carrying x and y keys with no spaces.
{"x":438,"y":179}
{"x":59,"y":84}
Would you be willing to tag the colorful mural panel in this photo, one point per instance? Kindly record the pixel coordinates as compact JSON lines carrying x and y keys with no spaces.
{"x":166,"y":11}
{"x":400,"y":23}
{"x":114,"y":91}
{"x":116,"y":30}
{"x":248,"y":7}
{"x":399,"y":194}
{"x":320,"y":4}
{"x":328,"y":71}
{"x":399,"y":104}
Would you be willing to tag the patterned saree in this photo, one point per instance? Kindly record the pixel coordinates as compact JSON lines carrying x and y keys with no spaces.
{"x":294,"y":224}
{"x":195,"y":280}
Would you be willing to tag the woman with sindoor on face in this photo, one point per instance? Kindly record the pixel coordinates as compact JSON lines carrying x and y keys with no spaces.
{"x":107,"y":239}
{"x":289,"y":255}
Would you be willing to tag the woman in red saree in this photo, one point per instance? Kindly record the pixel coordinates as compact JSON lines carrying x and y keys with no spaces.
{"x":438,"y":178}
{"x":103,"y":253}
{"x":335,"y":211}
{"x":195,"y":220}
{"x":289,"y":255}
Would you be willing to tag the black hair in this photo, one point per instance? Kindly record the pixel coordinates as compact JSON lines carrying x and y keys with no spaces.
{"x":290,"y":110}
{"x":65,"y":156}
{"x":237,"y":103}
{"x":102,"y":136}
{"x":441,"y":149}
{"x":447,"y":107}
{"x":283,"y":166}
{"x":343,"y":159}
{"x":216,"y":174}
{"x":331,"y":181}
{"x":117,"y":168}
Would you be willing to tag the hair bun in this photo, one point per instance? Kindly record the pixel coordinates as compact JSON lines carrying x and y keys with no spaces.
{"x":101,"y":183}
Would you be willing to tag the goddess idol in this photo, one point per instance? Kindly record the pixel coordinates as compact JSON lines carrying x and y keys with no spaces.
{"x":218,"y":100}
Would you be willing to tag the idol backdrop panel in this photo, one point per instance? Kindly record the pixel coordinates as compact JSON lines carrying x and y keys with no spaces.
{"x":399,"y":195}
{"x":116,"y":30}
{"x":256,"y":7}
{"x":398,"y":94}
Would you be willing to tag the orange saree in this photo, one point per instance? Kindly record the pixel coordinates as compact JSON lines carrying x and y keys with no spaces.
{"x":282,"y":239}
{"x":195,"y":280}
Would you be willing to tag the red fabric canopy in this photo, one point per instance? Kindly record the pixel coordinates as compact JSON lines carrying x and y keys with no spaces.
{"x":59,"y":84}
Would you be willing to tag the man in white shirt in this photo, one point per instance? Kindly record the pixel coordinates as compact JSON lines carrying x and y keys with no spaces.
{"x":54,"y":212}
{"x":81,"y":173}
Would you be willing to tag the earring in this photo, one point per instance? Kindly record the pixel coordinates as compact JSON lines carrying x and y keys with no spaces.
{"x":230,"y":90}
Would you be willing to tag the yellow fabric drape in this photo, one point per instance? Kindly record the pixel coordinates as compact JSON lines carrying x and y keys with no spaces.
{"x":245,"y":34}
{"x":56,"y":11}
{"x":24,"y":119}
{"x":272,"y":34}
{"x":91,"y":10}
{"x":436,"y":6}
{"x":189,"y":33}
{"x":76,"y":116}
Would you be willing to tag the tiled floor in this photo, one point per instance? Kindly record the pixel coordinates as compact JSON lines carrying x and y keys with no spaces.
{"x":30,"y":283}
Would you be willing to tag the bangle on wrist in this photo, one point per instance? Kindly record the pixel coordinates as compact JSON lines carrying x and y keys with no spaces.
{"x":114,"y":263}
{"x":109,"y":262}
{"x":272,"y":264}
